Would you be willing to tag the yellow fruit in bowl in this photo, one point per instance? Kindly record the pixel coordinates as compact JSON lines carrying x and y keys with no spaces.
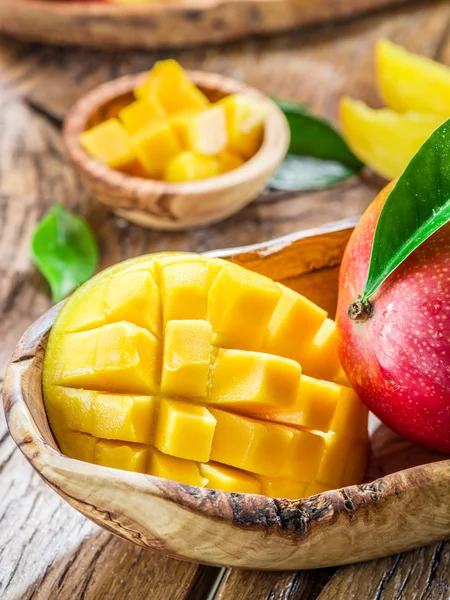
{"x":186,"y":367}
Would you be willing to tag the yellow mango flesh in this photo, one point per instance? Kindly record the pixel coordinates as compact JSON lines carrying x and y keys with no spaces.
{"x":245,"y":124}
{"x":181,"y":366}
{"x":228,"y":161}
{"x":409,"y":82}
{"x":384,"y":139}
{"x":203,"y":132}
{"x":155,"y":145}
{"x":190,"y":166}
{"x":139,"y":113}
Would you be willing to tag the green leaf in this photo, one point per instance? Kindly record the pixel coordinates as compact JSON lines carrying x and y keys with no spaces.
{"x":301,"y":173}
{"x":417,"y":206}
{"x":64,"y":250}
{"x":319,"y":147}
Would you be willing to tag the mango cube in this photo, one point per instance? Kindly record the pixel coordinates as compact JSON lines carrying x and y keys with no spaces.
{"x":139,"y":113}
{"x":249,"y":444}
{"x":355,"y":468}
{"x":190,"y":166}
{"x":228,"y":479}
{"x":119,"y":455}
{"x":321,"y":358}
{"x":120,"y":357}
{"x":245,"y":124}
{"x":202,"y":132}
{"x":168,"y":86}
{"x":293,"y":325}
{"x":73,"y":408}
{"x":251,"y":381}
{"x":334,"y":459}
{"x":228,"y":161}
{"x":278,"y":487}
{"x":184,"y":430}
{"x":78,"y":445}
{"x":155,"y":144}
{"x":184,"y":290}
{"x":109,"y":143}
{"x":178,"y":469}
{"x":240,"y":306}
{"x":304,"y":456}
{"x":187,"y":357}
{"x":350,"y":417}
{"x":317,"y":487}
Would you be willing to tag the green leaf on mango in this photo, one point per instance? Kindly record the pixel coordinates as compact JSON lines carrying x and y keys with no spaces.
{"x":417,"y":206}
{"x":64,"y":250}
{"x":315,"y":145}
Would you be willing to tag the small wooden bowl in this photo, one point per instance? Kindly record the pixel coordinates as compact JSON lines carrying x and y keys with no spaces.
{"x":173,"y":206}
{"x":396,"y":512}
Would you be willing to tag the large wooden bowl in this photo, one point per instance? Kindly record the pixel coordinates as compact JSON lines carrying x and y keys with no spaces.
{"x":173,"y":206}
{"x":168,"y":23}
{"x":393,"y":513}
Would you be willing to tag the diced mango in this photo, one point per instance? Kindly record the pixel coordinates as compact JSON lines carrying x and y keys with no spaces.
{"x":169,"y":86}
{"x":350,"y":418}
{"x":118,"y":455}
{"x":187,"y":358}
{"x":120,"y":357}
{"x":355,"y":467}
{"x":253,"y":382}
{"x":78,"y":445}
{"x":184,"y":430}
{"x":245,"y":124}
{"x":334,"y":459}
{"x":178,"y":469}
{"x":240,"y":306}
{"x":383,"y":139}
{"x":249,"y":444}
{"x":139,"y":113}
{"x":74,"y":408}
{"x":155,"y":144}
{"x":317,"y":487}
{"x":304,"y":456}
{"x":409,"y":82}
{"x":110,"y":144}
{"x":293,"y":325}
{"x":184,"y":290}
{"x":321,"y":358}
{"x":202,"y":132}
{"x":228,"y":161}
{"x":229,"y":479}
{"x":190,"y":166}
{"x":282,"y":488}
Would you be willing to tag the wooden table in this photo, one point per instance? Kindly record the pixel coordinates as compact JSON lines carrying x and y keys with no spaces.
{"x":47,"y":550}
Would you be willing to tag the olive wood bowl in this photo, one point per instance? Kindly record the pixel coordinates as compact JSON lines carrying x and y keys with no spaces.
{"x":173,"y":206}
{"x":167,"y":23}
{"x":394,"y":512}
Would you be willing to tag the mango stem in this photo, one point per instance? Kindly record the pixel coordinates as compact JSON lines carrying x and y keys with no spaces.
{"x":360,"y":310}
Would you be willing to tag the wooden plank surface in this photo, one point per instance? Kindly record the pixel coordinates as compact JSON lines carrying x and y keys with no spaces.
{"x":47,"y":550}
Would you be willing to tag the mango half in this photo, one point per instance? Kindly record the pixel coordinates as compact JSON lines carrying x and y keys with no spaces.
{"x":190,"y":368}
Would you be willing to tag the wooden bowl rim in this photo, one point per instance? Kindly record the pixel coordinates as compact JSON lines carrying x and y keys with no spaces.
{"x":264,"y":512}
{"x":271,"y":152}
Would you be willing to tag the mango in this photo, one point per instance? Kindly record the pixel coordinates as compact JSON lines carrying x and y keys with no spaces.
{"x":228,"y":161}
{"x":178,"y":469}
{"x":168,"y":86}
{"x":155,"y":145}
{"x":184,"y":430}
{"x":190,"y":166}
{"x":245,"y":124}
{"x":182,"y":367}
{"x":229,"y":479}
{"x":202,"y":132}
{"x":409,"y":82}
{"x":110,"y":143}
{"x":383,"y":139}
{"x":139,"y":113}
{"x":187,"y":358}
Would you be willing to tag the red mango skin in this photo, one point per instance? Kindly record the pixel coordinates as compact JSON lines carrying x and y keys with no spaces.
{"x":399,"y":359}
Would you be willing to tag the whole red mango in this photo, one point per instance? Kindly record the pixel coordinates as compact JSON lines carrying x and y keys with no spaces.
{"x":398,"y":360}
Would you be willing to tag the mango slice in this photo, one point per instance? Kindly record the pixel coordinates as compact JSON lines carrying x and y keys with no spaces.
{"x":203,"y":132}
{"x":245,"y":124}
{"x":409,"y":82}
{"x":251,"y":381}
{"x":190,"y":166}
{"x":178,"y":469}
{"x":110,"y":143}
{"x":228,"y":161}
{"x":187,"y":358}
{"x":383,"y":139}
{"x":139,"y":113}
{"x":229,"y":479}
{"x":169,"y":87}
{"x":187,"y":367}
{"x":155,"y":144}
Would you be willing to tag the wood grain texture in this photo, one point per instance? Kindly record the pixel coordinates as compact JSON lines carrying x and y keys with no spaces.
{"x":214,"y":527}
{"x":168,"y":24}
{"x":38,"y":85}
{"x":174,"y":206}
